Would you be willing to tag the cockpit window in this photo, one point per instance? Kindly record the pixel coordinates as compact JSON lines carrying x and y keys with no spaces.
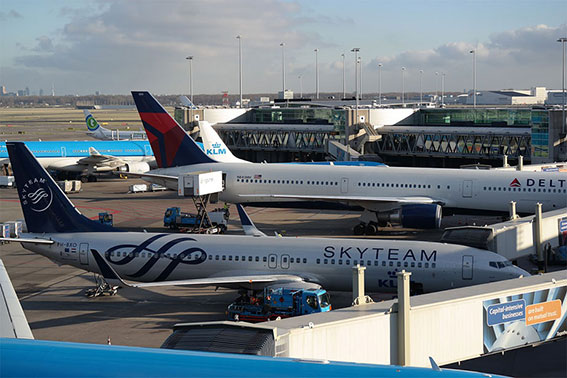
{"x":324,"y":299}
{"x":500,"y":264}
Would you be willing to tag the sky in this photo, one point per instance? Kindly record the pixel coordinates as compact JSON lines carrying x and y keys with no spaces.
{"x":115,"y":46}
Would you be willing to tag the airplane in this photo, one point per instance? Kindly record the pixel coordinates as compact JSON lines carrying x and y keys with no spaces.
{"x":58,"y":231}
{"x":412,"y":197}
{"x":66,"y":359}
{"x":85,"y":158}
{"x":97,"y":131}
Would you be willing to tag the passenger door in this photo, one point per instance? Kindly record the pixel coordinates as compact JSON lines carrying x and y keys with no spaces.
{"x":285,"y":262}
{"x":84,"y":253}
{"x":344,"y":185}
{"x":272,"y":261}
{"x":468,"y":261}
{"x":467,"y":188}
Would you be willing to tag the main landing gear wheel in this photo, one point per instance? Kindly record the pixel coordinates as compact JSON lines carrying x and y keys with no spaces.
{"x":359,"y":229}
{"x":371,"y":229}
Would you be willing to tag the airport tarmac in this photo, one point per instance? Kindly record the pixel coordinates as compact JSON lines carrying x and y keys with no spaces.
{"x":53,"y":297}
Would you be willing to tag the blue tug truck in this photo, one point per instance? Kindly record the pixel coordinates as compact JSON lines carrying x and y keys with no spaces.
{"x":278,"y":302}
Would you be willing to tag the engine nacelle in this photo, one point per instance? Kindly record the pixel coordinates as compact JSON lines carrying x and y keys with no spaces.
{"x":414,"y":216}
{"x":140,"y":167}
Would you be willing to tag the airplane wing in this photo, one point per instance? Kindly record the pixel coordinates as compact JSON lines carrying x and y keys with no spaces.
{"x":368,"y":202}
{"x":13,"y":322}
{"x":97,"y":159}
{"x":234,"y":281}
{"x":168,"y":181}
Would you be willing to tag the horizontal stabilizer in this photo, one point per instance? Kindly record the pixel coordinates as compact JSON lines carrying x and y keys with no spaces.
{"x":26,"y":240}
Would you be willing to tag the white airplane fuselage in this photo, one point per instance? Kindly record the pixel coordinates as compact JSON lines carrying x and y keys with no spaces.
{"x":148,"y":257}
{"x":484,"y":190}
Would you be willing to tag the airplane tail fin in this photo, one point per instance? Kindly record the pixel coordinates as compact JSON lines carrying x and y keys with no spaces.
{"x":247,"y":224}
{"x":46,"y":208}
{"x":186,"y":102}
{"x":214,"y":145}
{"x":13,"y":323}
{"x":93,"y":126}
{"x":171,"y":145}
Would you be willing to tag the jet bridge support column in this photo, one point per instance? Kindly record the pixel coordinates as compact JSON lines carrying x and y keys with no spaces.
{"x":538,"y":238}
{"x":404,"y":318}
{"x":512,"y":210}
{"x":357,"y":284}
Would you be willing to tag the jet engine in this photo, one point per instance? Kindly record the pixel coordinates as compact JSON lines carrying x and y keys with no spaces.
{"x":139,"y":167}
{"x":413,"y":216}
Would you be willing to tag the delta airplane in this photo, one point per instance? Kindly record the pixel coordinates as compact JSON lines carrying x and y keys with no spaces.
{"x":58,"y":231}
{"x":64,"y":359}
{"x":412,"y":197}
{"x":97,"y":131}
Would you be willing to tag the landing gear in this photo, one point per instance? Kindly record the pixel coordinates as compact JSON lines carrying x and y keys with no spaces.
{"x":101,"y":288}
{"x":89,"y":178}
{"x":359,"y":229}
{"x":362,"y":228}
{"x":371,"y":228}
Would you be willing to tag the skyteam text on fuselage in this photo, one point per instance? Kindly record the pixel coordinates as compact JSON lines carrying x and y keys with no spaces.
{"x":412,"y":197}
{"x":58,"y":231}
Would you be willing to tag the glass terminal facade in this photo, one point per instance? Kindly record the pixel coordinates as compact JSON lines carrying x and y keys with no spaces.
{"x":540,"y":133}
{"x":292,"y":115}
{"x":472,"y":117}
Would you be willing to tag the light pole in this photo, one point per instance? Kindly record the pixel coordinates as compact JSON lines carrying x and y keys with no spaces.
{"x":300,"y":87}
{"x":420,"y":87}
{"x":436,"y":87}
{"x":563,"y":40}
{"x":316,"y":73}
{"x":403,"y":87}
{"x":380,"y":84}
{"x":443,"y":89}
{"x":360,"y":76}
{"x":283,"y":69}
{"x":473,"y":52}
{"x":240,"y":67}
{"x":190,"y":59}
{"x":355,"y":51}
{"x":344,"y":81}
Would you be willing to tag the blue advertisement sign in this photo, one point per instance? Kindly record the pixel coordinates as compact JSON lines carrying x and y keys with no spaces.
{"x":506,"y":312}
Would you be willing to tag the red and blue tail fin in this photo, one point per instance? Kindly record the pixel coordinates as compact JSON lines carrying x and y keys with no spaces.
{"x":46,"y":208}
{"x":171,"y":145}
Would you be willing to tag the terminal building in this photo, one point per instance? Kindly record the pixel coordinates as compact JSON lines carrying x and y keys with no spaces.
{"x":419,"y":136}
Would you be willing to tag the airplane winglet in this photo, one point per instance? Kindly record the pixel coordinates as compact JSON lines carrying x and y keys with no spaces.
{"x":247,"y":224}
{"x":434,"y":365}
{"x":93,"y":152}
{"x":109,"y":274}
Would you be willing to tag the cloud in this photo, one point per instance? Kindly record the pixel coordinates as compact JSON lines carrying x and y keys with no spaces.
{"x":10,"y":15}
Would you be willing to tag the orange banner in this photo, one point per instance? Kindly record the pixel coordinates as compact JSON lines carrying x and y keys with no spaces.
{"x":543,"y":312}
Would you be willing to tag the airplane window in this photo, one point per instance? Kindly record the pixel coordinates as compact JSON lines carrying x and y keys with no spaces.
{"x":433,"y":265}
{"x":333,"y":261}
{"x":272,"y":259}
{"x":375,"y":262}
{"x":308,"y":182}
{"x":358,"y":184}
{"x":413,"y":264}
{"x":369,"y":263}
{"x":257,"y":258}
{"x":399,"y":264}
{"x":397,"y":185}
{"x":284,"y":259}
{"x":347,"y":262}
{"x":305,"y":261}
{"x":419,"y":264}
{"x":249,"y":258}
{"x":291,"y":260}
{"x":230,"y":258}
{"x":438,"y":186}
{"x":426,"y":265}
{"x":383,"y":263}
{"x":216,"y":257}
{"x":223,"y":257}
{"x":493,"y":264}
{"x":264,"y":259}
{"x":326,"y":182}
{"x":318,"y":261}
{"x":448,"y":186}
{"x":301,"y":182}
{"x":340,"y":262}
{"x":354,"y":262}
{"x":210,"y":257}
{"x":235,"y":258}
{"x":405,"y":264}
{"x":287,"y":182}
{"x":391,"y":263}
{"x":325,"y":261}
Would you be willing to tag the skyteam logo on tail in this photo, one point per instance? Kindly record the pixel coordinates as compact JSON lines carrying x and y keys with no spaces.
{"x":216,"y":150}
{"x":92,"y":124}
{"x":37,"y":195}
{"x":515,"y":183}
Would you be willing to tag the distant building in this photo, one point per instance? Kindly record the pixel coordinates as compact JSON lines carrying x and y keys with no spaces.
{"x":555,"y":97}
{"x":3,"y":91}
{"x":533,"y":96}
{"x":285,"y":95}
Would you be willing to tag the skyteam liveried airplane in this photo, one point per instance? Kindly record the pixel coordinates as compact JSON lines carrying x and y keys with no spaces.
{"x":58,"y":231}
{"x":412,"y":197}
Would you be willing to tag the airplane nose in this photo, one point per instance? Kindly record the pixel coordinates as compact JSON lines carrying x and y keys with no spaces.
{"x":518,"y":272}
